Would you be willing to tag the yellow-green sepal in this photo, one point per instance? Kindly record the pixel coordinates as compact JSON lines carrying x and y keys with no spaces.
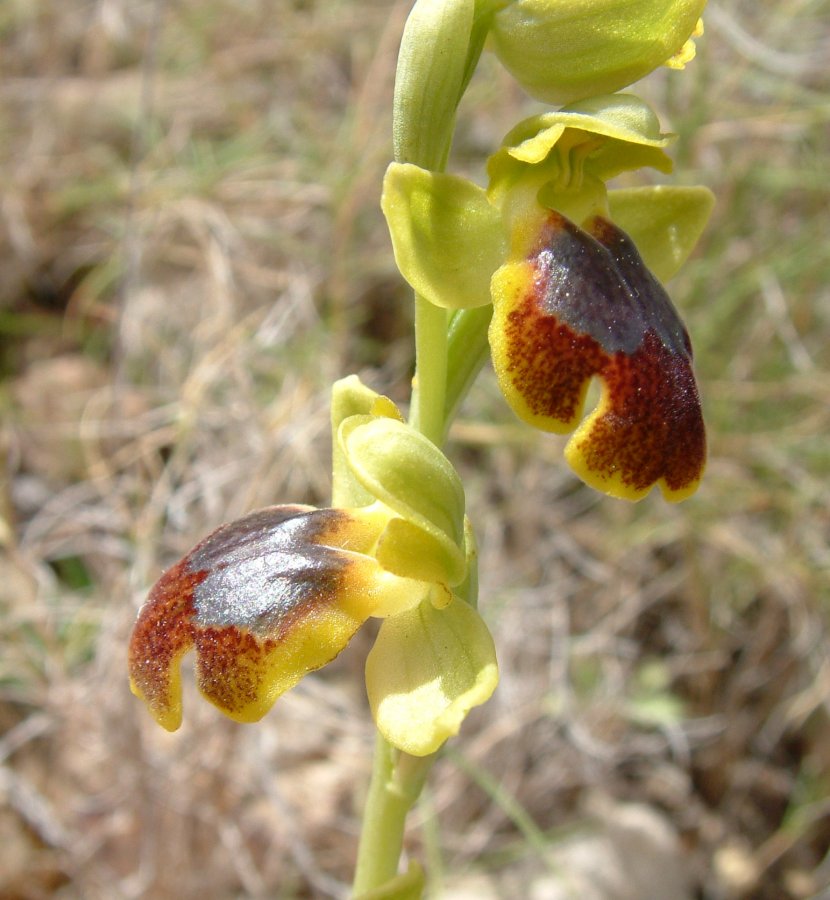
{"x":446,"y":235}
{"x":427,"y":669}
{"x":408,"y":474}
{"x":664,"y":221}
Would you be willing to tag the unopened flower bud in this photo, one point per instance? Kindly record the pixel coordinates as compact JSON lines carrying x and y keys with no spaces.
{"x":565,"y":50}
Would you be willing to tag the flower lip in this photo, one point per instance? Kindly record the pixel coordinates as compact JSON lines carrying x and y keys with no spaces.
{"x":277,"y":552}
{"x":582,"y":304}
{"x":274,"y":595}
{"x":263,"y":600}
{"x":595,"y":282}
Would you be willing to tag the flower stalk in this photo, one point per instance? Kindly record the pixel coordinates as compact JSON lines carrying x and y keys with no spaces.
{"x":439,"y":51}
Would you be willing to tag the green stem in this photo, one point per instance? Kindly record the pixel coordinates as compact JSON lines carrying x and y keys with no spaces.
{"x":381,"y":838}
{"x":430,"y":382}
{"x":397,"y":782}
{"x":397,"y":779}
{"x":467,"y":351}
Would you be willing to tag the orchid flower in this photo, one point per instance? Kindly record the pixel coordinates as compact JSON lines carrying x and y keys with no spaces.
{"x":280,"y":592}
{"x":573,"y":271}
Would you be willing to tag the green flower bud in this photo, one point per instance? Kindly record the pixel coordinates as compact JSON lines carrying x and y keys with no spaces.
{"x":566,"y":50}
{"x":410,"y":476}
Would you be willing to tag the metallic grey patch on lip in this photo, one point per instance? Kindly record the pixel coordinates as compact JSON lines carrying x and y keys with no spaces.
{"x":602,"y":288}
{"x":261,"y":570}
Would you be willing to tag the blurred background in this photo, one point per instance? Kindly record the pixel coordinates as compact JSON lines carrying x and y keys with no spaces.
{"x":191,"y":250}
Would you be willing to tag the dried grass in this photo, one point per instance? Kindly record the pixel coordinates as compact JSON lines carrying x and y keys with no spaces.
{"x":192,"y":252}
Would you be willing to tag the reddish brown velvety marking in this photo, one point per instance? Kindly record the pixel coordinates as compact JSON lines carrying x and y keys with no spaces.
{"x":163,"y":631}
{"x":652,"y":425}
{"x":231,"y":665}
{"x":548,"y":363}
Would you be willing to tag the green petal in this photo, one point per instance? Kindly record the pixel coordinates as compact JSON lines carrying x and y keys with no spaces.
{"x":447,"y":237}
{"x":410,"y":475}
{"x":427,"y":670}
{"x":622,"y":117}
{"x":615,"y":157}
{"x":408,"y":551}
{"x":535,"y":149}
{"x":565,"y":151}
{"x":664,"y":222}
